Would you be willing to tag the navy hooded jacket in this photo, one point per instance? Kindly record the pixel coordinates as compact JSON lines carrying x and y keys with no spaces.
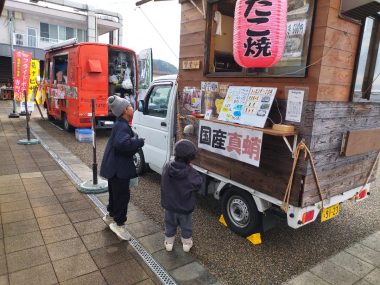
{"x":118,"y":155}
{"x":179,"y":182}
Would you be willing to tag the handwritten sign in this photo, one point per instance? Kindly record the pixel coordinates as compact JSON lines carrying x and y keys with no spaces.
{"x":34,"y":72}
{"x":294,"y":105}
{"x":237,"y":143}
{"x":21,"y":65}
{"x":247,"y":105}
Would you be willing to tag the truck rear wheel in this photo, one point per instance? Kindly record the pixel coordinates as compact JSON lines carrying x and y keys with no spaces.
{"x":139,"y":162}
{"x":66,"y":125}
{"x":240,"y":212}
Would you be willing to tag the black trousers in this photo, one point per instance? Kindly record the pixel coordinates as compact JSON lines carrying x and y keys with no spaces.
{"x":119,"y":196}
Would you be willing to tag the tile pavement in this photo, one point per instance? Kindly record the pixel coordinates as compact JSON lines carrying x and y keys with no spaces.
{"x":43,"y":216}
{"x":358,"y":264}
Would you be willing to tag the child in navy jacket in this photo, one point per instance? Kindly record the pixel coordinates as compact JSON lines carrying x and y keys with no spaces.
{"x":179,"y":182}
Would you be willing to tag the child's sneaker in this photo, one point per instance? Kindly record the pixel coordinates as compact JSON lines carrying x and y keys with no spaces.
{"x":187,"y":244}
{"x":108,"y":219}
{"x":120,"y":231}
{"x":169,"y":242}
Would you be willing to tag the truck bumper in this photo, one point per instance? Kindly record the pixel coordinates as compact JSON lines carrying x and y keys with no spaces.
{"x":298,"y":217}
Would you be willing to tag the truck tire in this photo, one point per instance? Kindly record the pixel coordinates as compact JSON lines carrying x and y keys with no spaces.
{"x":139,"y":162}
{"x":66,"y":125}
{"x":240,"y":212}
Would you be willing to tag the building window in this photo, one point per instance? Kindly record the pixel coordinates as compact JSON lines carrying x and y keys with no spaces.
{"x":220,"y":61}
{"x":53,"y":33}
{"x":367,"y":80}
{"x":32,"y":37}
{"x":69,"y":33}
{"x":62,"y":33}
{"x":80,"y":35}
{"x":44,"y":30}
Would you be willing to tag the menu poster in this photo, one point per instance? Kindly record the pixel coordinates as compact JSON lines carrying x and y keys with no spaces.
{"x":257,"y":106}
{"x":247,"y":105}
{"x":233,"y":104}
{"x":294,"y":105}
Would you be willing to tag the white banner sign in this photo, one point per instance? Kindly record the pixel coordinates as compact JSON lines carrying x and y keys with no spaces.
{"x":30,"y":106}
{"x":234,"y":142}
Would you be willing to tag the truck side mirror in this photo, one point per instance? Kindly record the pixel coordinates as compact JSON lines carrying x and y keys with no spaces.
{"x":141,"y":107}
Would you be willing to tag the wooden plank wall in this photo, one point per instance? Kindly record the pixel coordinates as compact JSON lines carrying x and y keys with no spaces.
{"x":338,"y":40}
{"x":338,"y":173}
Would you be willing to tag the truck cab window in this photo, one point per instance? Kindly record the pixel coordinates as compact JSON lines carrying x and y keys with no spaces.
{"x":60,"y":69}
{"x":158,"y":101}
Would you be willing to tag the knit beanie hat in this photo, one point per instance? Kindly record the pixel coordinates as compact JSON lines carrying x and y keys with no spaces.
{"x":118,"y":105}
{"x":184,"y":148}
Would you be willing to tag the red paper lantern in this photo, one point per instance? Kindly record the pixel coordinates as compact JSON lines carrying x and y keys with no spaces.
{"x":259,"y":32}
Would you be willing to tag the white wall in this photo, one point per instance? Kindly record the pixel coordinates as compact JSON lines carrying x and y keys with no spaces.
{"x":4,"y":34}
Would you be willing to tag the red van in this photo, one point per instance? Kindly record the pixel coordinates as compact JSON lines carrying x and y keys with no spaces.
{"x":77,"y":72}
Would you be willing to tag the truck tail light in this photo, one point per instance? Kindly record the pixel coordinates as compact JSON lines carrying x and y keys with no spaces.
{"x":361,"y":195}
{"x":308,"y":216}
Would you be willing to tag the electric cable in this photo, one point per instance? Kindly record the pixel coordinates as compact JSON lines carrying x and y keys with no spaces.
{"x":158,"y":32}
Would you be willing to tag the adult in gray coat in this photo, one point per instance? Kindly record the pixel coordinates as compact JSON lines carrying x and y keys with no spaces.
{"x":117,"y":165}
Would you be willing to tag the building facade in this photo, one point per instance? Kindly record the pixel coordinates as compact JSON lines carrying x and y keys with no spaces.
{"x":34,"y":25}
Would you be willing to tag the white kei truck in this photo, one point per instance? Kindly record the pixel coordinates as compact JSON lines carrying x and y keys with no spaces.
{"x":244,"y":208}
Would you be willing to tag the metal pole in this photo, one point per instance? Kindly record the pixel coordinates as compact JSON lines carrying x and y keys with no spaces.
{"x":27,"y":116}
{"x":94,"y":164}
{"x":13,"y":114}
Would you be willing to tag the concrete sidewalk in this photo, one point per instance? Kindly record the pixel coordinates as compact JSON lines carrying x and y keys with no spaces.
{"x":49,"y":232}
{"x":57,"y":234}
{"x":358,"y":264}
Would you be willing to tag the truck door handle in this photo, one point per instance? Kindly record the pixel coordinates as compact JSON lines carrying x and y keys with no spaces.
{"x":163,"y":124}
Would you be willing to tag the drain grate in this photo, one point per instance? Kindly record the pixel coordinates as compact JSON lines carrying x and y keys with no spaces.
{"x":147,"y":258}
{"x":152,"y":263}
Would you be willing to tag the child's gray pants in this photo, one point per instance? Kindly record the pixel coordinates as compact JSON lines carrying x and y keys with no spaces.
{"x":173,"y":220}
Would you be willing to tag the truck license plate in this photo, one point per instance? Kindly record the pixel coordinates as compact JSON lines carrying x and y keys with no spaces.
{"x":330,"y":212}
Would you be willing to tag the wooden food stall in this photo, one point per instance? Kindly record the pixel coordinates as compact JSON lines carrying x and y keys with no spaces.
{"x":327,"y":87}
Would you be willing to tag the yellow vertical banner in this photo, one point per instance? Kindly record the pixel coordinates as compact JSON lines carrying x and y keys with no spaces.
{"x":34,"y":72}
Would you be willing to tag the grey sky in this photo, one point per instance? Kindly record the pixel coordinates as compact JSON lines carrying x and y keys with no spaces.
{"x":139,"y":33}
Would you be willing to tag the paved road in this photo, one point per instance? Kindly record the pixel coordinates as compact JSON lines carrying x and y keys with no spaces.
{"x":284,"y":253}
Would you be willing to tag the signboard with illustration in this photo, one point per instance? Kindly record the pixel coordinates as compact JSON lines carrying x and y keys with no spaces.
{"x":237,"y":143}
{"x":247,"y":105}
